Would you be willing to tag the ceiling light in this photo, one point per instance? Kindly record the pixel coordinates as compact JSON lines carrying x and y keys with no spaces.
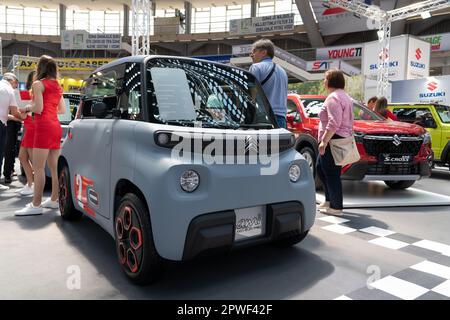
{"x":425,"y":15}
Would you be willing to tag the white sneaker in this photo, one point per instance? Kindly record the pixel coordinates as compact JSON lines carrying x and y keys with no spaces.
{"x":27,"y":191}
{"x":3,"y":188}
{"x":50,"y":204}
{"x":30,"y":210}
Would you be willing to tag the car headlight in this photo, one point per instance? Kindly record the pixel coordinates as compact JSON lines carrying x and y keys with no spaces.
{"x":189,"y":180}
{"x":294,"y":172}
{"x":426,"y":138}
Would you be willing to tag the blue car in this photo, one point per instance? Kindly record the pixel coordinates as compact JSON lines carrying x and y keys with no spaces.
{"x":177,"y":158}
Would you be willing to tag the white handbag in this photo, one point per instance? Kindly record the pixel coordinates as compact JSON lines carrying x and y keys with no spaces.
{"x":344,"y":151}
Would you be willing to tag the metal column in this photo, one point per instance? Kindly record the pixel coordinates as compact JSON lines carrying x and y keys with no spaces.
{"x":254,"y":3}
{"x":62,"y":17}
{"x":126,"y":20}
{"x":187,"y":17}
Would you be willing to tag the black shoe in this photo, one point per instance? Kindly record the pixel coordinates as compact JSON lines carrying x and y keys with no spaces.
{"x":8,"y":180}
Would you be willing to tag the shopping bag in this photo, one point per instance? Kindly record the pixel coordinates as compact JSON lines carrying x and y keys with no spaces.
{"x":344,"y":151}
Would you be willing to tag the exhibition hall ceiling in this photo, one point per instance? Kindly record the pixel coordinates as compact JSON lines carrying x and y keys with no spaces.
{"x":117,"y":4}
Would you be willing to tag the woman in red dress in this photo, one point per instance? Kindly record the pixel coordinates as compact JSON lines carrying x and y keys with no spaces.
{"x":26,"y":146}
{"x":47,"y":103}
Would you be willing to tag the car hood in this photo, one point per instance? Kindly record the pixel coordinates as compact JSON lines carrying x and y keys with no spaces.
{"x":387,"y":127}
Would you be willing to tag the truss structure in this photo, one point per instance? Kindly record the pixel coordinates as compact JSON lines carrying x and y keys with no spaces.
{"x":1,"y":56}
{"x":141,"y":12}
{"x":384,"y":19}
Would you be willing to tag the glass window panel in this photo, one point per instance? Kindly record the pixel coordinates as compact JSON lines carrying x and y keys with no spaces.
{"x":49,"y":22}
{"x":14,"y":20}
{"x":2,"y":19}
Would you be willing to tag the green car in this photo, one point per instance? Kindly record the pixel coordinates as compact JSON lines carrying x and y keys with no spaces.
{"x":436,"y":119}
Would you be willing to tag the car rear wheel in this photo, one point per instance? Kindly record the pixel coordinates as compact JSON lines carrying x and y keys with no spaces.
{"x":398,"y":185}
{"x":66,"y":206}
{"x":134,"y":242}
{"x":291,"y":239}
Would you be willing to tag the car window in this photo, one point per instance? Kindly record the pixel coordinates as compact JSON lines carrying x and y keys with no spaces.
{"x":291,"y":106}
{"x":444,"y":113}
{"x":67,"y":116}
{"x":361,"y":112}
{"x":189,"y":92}
{"x":101,"y":85}
{"x":130,"y":98}
{"x":412,"y":115}
{"x":312,"y":107}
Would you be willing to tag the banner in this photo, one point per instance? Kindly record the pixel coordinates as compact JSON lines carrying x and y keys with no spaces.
{"x":439,"y":42}
{"x":241,"y":50}
{"x":397,"y":58}
{"x":67,"y":64}
{"x":322,"y":65}
{"x":425,"y":90}
{"x":335,"y":20}
{"x":276,"y":23}
{"x":418,"y":59}
{"x":83,"y":40}
{"x":352,"y":52}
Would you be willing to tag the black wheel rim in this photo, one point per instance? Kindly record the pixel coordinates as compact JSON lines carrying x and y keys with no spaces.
{"x":129,"y":238}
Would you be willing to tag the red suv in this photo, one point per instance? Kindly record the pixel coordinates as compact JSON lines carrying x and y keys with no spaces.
{"x":394,"y":152}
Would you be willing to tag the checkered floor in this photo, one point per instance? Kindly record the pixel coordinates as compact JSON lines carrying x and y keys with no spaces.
{"x":427,"y":280}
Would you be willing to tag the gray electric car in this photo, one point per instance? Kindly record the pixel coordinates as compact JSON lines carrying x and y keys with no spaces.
{"x":177,"y":158}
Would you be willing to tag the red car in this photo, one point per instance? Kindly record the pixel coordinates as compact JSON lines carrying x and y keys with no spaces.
{"x":394,"y":152}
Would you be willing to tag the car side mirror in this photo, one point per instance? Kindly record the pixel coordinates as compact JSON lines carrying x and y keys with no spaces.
{"x":430,"y":123}
{"x":99,"y":110}
{"x":293,"y":117}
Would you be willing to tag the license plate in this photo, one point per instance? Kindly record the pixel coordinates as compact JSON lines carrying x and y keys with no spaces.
{"x":250,"y":222}
{"x":396,"y":158}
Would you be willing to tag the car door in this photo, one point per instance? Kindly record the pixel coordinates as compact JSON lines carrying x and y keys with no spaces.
{"x":94,"y":138}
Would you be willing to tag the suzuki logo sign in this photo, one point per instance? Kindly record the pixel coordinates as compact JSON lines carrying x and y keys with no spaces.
{"x":431,"y":86}
{"x":397,"y":140}
{"x":432,"y":93}
{"x":418,"y":53}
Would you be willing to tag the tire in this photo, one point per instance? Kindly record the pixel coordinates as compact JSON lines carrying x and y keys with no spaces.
{"x":135,"y":248}
{"x":66,"y":206}
{"x":311,"y":157}
{"x":399,"y":185}
{"x":290,"y":240}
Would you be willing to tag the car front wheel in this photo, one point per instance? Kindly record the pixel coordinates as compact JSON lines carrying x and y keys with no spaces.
{"x":66,"y":206}
{"x":134,"y":242}
{"x":399,"y":185}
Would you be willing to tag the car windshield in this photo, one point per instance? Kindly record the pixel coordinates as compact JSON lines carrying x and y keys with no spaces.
{"x":189,"y":92}
{"x":312,"y":107}
{"x":443,"y":112}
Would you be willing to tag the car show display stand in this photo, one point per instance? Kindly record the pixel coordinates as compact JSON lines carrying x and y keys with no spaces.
{"x":359,"y":194}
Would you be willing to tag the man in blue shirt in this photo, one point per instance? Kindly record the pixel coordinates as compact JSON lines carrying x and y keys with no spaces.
{"x":273,"y":78}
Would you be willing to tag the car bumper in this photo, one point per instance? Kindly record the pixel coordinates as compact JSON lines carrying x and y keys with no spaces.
{"x":367,"y":171}
{"x":215,"y":232}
